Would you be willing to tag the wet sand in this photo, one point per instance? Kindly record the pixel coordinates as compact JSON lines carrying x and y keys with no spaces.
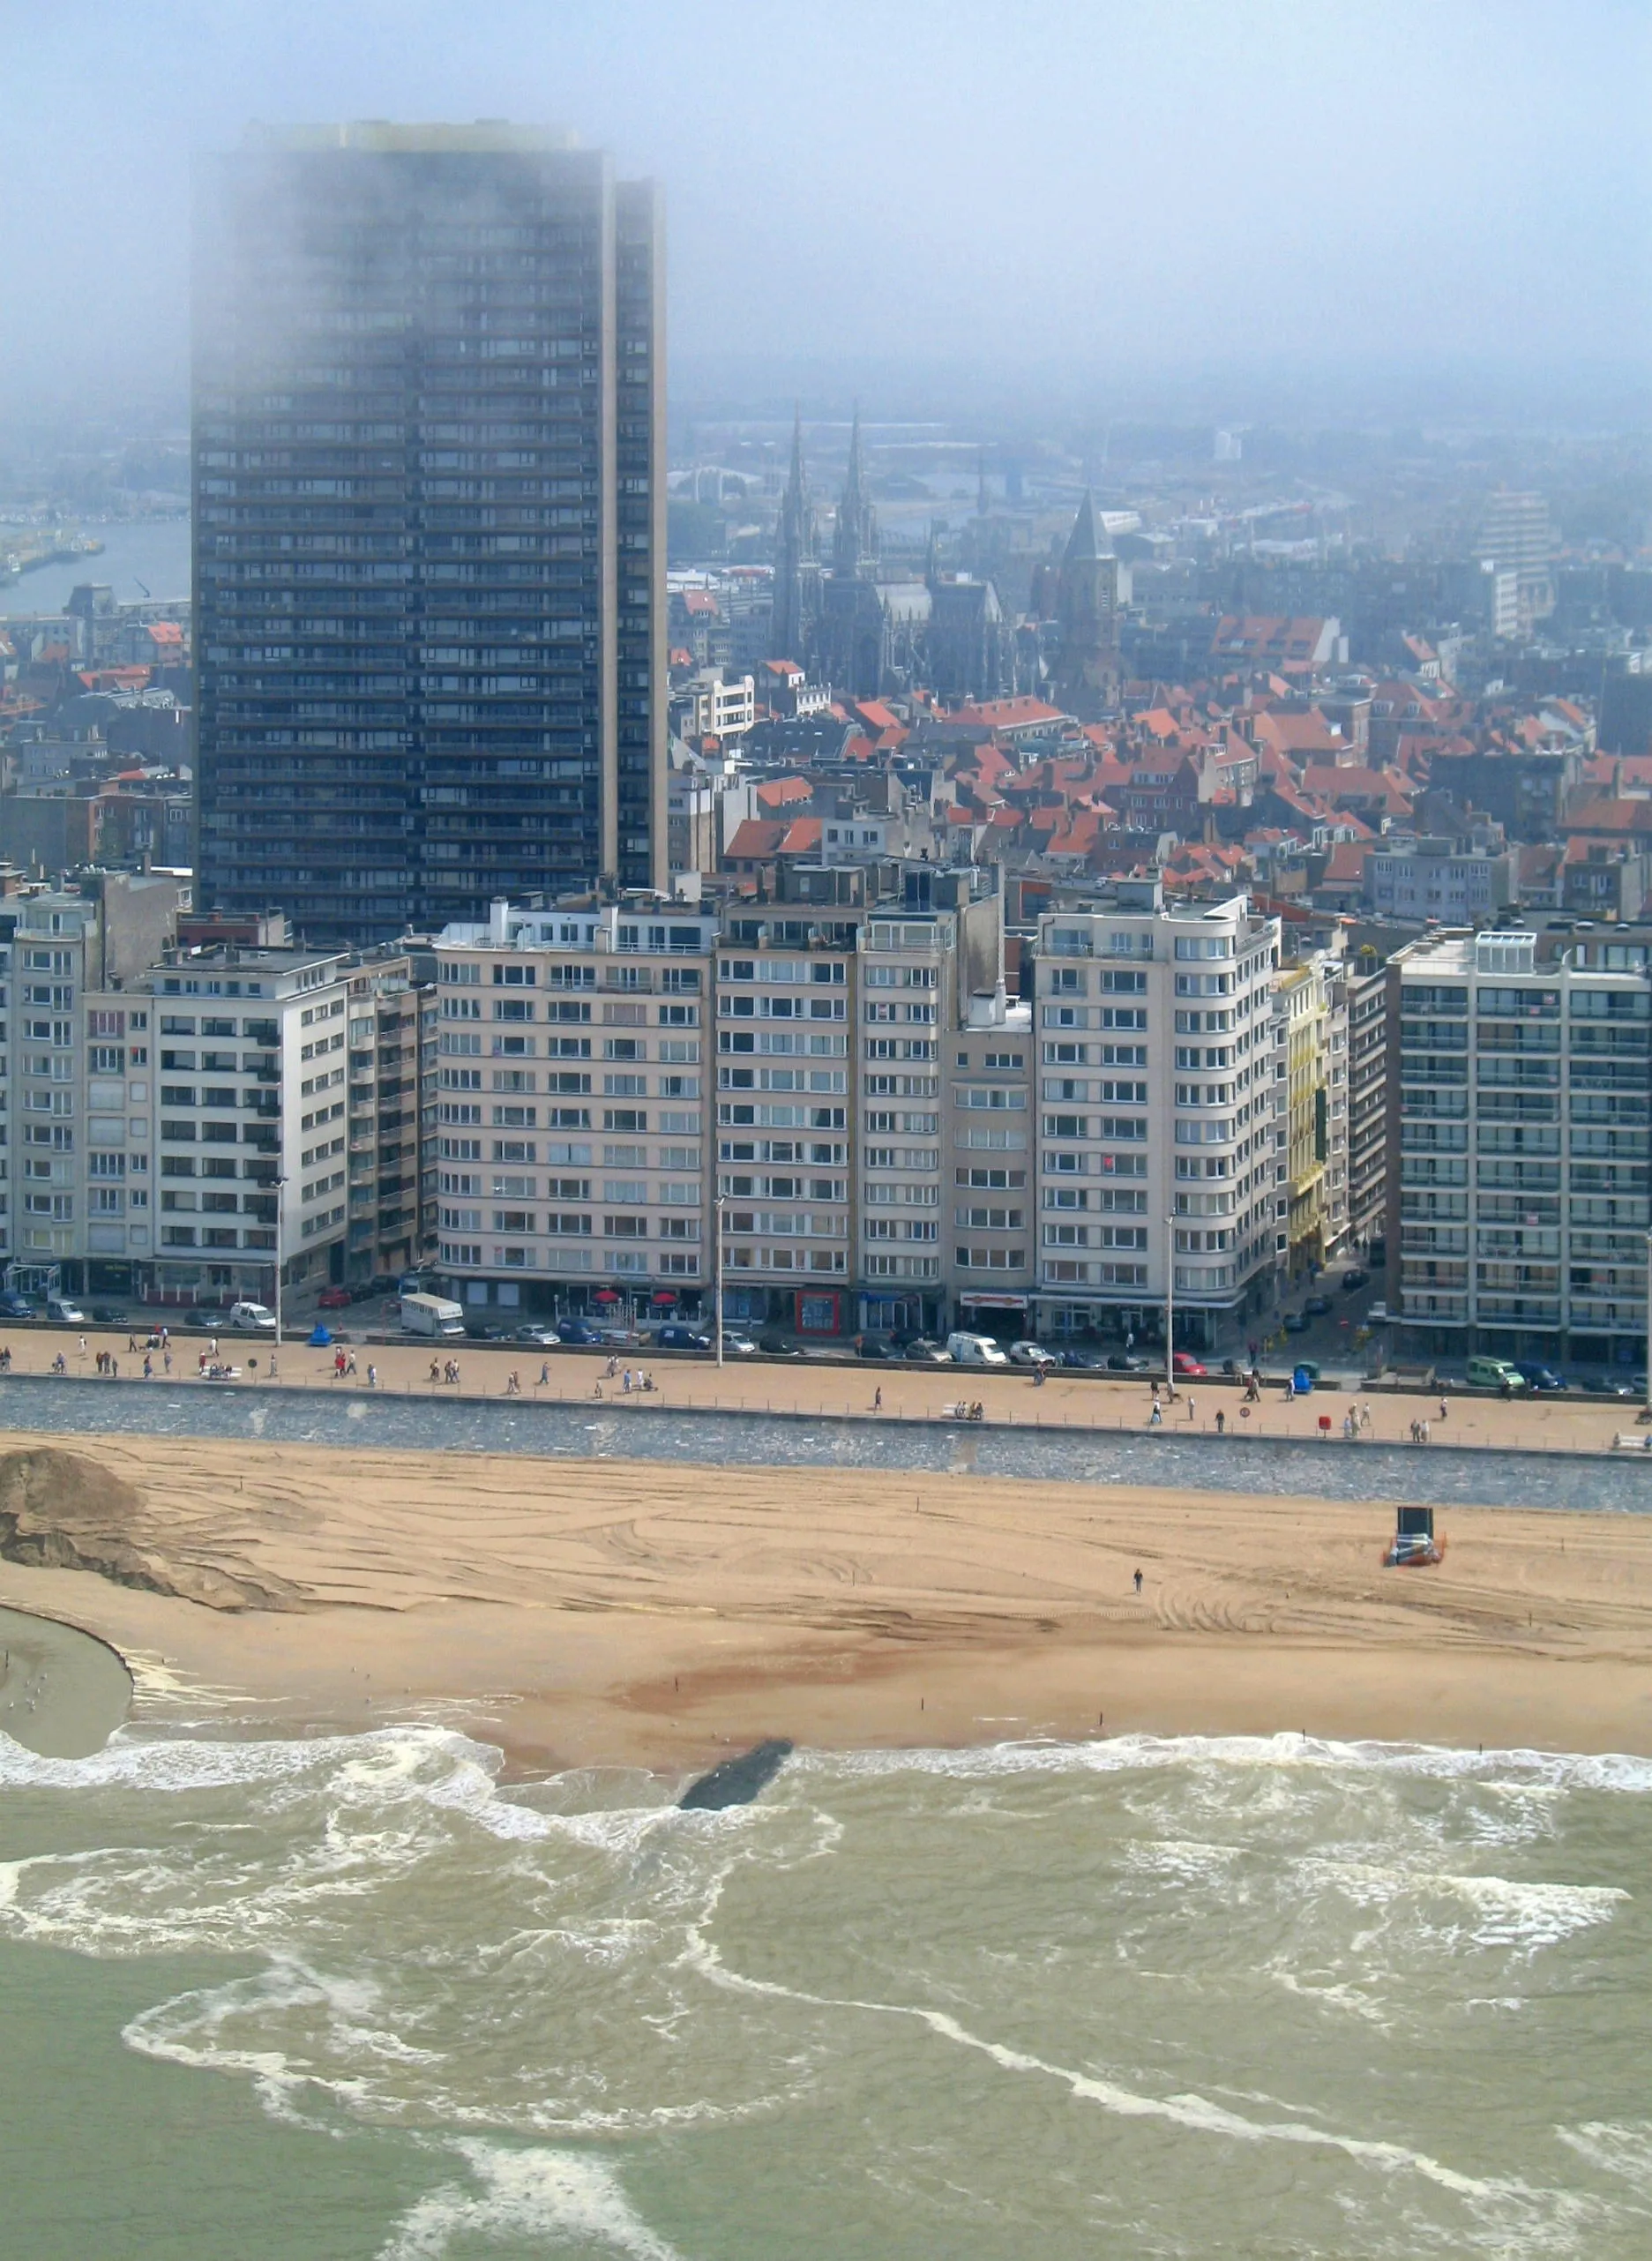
{"x":619,"y":1611}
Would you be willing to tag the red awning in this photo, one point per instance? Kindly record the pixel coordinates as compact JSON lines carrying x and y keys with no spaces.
{"x":605,"y":1295}
{"x":665,"y":1295}
{"x":995,"y":1302}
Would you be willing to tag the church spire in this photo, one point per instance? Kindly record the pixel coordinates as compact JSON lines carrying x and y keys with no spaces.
{"x":790,"y":627}
{"x":856,"y":542}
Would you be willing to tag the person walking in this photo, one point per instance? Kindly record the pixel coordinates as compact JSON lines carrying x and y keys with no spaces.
{"x":1155,"y":1418}
{"x":545,"y":1375}
{"x":877,"y":1399}
{"x":166,"y":1360}
{"x":349,"y":1367}
{"x":1221,"y":1422}
{"x":149,"y":1367}
{"x":1190,"y":1404}
{"x":1138,"y":1582}
{"x":372,"y":1377}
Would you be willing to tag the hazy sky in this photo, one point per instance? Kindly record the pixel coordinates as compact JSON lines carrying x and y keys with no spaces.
{"x":1310,"y":184}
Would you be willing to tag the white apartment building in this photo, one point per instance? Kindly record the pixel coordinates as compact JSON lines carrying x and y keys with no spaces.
{"x":251,"y":1066}
{"x":1160,"y":1117}
{"x":1519,"y":1087}
{"x":571,"y":1134}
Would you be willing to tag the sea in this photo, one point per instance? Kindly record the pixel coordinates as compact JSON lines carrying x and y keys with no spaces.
{"x":360,"y":1997}
{"x":139,"y":555}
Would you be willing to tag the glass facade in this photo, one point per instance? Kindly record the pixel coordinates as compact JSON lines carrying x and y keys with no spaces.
{"x":429,"y":526}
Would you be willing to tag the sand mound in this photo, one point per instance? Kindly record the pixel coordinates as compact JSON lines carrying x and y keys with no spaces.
{"x":62,"y":1512}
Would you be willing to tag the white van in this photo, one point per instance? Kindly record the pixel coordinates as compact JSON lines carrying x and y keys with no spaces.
{"x":252,"y":1317}
{"x":65,"y":1311}
{"x":432,"y":1316}
{"x":975,"y":1350}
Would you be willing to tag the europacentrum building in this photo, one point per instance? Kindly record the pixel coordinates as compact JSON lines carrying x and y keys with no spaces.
{"x":429,"y":525}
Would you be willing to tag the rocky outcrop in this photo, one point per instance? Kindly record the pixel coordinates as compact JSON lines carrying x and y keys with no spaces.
{"x":63,"y":1511}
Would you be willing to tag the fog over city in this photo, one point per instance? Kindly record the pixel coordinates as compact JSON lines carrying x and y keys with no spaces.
{"x":1438,"y":209}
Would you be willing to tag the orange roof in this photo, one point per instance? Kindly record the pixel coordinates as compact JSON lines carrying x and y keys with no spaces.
{"x":778,"y":791}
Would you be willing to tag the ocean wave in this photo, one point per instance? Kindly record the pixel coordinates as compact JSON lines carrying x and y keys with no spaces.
{"x":1558,"y":1771}
{"x":539,"y":2195}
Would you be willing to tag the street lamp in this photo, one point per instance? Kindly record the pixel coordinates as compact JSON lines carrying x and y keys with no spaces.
{"x":280,"y":1184}
{"x":1169,"y":1300}
{"x":717,"y":1268}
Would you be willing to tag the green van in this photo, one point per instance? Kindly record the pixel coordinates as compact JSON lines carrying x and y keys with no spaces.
{"x":1495,"y":1374}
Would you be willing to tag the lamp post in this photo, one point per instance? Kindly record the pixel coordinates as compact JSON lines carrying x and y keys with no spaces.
{"x":280,"y":1185}
{"x":1169,"y":1300}
{"x":717,"y":1268}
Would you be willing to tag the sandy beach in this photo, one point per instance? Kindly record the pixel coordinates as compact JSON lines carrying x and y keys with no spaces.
{"x":612,"y":1612}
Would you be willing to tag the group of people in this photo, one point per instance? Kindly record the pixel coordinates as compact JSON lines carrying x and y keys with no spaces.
{"x":628,"y":1382}
{"x":444,"y":1370}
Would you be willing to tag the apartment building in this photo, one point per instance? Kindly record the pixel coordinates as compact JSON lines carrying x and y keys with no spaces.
{"x":926,"y":970}
{"x":1309,"y":1026}
{"x":1365,"y":987}
{"x":1158,"y":1116}
{"x":1518,"y":1148}
{"x":429,"y":442}
{"x":787,"y":988}
{"x":992,"y":1244}
{"x":571,"y":1133}
{"x":390,"y":1117}
{"x":76,"y":1069}
{"x":250,"y":1121}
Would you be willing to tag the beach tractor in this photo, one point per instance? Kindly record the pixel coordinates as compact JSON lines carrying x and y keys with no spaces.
{"x":1413,"y":1546}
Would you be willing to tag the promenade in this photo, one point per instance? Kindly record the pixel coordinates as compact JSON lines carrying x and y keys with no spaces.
{"x":889,"y":1391}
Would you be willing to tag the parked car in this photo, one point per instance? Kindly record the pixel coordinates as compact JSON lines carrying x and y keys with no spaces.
{"x":577,"y":1330}
{"x":110,"y":1314}
{"x":1078,"y":1361}
{"x":922,"y":1350}
{"x":250,"y":1318}
{"x":1031,"y":1354}
{"x":776,"y":1346}
{"x":65,"y":1311}
{"x":1538,"y":1376}
{"x":1611,"y":1385}
{"x":1354,"y":1279}
{"x":738,"y":1346}
{"x":1296,"y":1322}
{"x":1126,"y":1362}
{"x":674,"y":1336}
{"x":539,"y":1337}
{"x":203,"y":1315}
{"x":1377,"y":1314}
{"x":873,"y":1346}
{"x":1317,"y":1305}
{"x":335,"y":1299}
{"x":16,"y":1306}
{"x":1187,"y":1363}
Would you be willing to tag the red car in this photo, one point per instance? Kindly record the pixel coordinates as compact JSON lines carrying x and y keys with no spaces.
{"x":335,"y":1298}
{"x":1187,"y":1363}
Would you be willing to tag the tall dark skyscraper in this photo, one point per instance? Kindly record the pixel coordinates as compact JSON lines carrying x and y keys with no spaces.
{"x":429,"y":524}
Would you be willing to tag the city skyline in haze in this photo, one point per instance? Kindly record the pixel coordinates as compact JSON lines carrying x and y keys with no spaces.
{"x":1231,"y":203}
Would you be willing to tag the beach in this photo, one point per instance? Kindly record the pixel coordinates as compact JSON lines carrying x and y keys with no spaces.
{"x":620,"y":1613}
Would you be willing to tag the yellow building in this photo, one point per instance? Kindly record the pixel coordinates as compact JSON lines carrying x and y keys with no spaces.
{"x":1303,"y":998}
